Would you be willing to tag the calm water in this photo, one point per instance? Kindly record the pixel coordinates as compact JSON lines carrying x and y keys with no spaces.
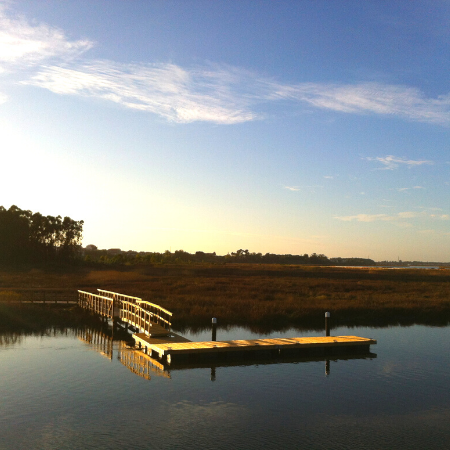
{"x":58,"y":392}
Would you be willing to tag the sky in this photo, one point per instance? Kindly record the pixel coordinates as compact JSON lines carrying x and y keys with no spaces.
{"x":278,"y":127}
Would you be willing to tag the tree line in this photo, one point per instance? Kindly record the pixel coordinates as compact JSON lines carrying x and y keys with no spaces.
{"x":27,"y":237}
{"x":116,"y":256}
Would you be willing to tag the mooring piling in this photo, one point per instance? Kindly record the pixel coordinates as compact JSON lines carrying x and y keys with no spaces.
{"x":327,"y":324}
{"x":214,"y":329}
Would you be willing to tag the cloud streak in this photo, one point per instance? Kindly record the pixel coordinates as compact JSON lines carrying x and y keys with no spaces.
{"x":371,"y":98}
{"x":230,"y":95}
{"x":391,"y":218}
{"x":391,"y":162}
{"x":43,"y":56}
{"x":310,"y":189}
{"x":167,"y":90}
{"x":23,"y":44}
{"x":405,"y":189}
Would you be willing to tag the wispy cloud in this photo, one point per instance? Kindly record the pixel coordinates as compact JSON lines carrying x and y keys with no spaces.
{"x":405,"y":189}
{"x":311,"y":189}
{"x":375,"y":98}
{"x":24,"y":44}
{"x":401,"y":216}
{"x":43,"y":56}
{"x":440,"y":216}
{"x":168,"y":90}
{"x":391,"y":162}
{"x":218,"y":94}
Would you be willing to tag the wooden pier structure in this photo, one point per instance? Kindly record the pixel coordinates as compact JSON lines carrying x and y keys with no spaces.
{"x":153,"y":335}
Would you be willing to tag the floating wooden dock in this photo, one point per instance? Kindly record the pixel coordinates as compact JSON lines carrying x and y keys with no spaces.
{"x":322,"y":345}
{"x":155,"y":338}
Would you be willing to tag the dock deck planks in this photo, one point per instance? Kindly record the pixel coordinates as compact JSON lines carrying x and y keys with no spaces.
{"x":145,"y":340}
{"x":170,"y":349}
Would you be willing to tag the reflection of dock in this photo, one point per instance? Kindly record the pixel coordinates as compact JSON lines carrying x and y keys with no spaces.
{"x":261,"y":361}
{"x":139,"y":363}
{"x":144,"y":365}
{"x":98,"y":340}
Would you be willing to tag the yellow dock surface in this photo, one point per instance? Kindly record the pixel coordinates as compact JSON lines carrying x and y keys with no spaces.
{"x":163,"y":349}
{"x":145,"y":340}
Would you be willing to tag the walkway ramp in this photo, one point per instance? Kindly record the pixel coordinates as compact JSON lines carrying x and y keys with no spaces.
{"x":144,"y":316}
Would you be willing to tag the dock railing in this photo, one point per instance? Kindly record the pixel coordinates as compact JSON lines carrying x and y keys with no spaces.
{"x":144,"y":315}
{"x":139,"y":313}
{"x":96,"y":303}
{"x":119,"y":298}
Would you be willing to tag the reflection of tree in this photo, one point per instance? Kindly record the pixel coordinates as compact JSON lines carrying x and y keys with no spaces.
{"x":31,"y":237}
{"x":10,"y":339}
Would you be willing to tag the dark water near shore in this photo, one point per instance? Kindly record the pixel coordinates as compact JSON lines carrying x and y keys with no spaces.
{"x":60,"y":392}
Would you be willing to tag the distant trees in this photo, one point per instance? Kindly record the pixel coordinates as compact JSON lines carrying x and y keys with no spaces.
{"x":241,"y":256}
{"x":31,"y":237}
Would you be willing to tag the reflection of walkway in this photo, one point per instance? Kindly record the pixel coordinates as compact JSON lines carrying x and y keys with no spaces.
{"x":140,"y":363}
{"x":98,"y":340}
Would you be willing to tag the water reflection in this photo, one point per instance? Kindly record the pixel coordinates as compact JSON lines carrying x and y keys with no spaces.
{"x":144,"y":365}
{"x":58,"y":394}
{"x":100,"y":341}
{"x":10,"y":339}
{"x":140,"y":363}
{"x":105,"y":340}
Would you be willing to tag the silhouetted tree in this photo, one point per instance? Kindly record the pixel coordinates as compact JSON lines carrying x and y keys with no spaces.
{"x":28,"y":237}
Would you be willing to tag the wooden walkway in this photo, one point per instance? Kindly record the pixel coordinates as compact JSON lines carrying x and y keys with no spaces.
{"x":175,"y":350}
{"x":39,"y":296}
{"x":146,"y":317}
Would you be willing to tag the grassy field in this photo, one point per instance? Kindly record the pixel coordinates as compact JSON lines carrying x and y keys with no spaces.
{"x":260,"y":296}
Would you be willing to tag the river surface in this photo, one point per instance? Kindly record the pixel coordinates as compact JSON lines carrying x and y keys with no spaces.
{"x":59,"y":391}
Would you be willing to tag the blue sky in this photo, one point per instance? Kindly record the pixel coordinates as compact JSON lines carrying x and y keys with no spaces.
{"x":283,"y":127}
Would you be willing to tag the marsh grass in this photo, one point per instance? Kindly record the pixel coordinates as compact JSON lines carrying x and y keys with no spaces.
{"x":271,"y":296}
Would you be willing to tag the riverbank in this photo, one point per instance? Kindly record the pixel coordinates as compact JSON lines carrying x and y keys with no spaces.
{"x":260,"y":296}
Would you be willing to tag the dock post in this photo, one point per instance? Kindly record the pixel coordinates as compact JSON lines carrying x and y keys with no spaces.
{"x":327,"y":324}
{"x":214,"y":329}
